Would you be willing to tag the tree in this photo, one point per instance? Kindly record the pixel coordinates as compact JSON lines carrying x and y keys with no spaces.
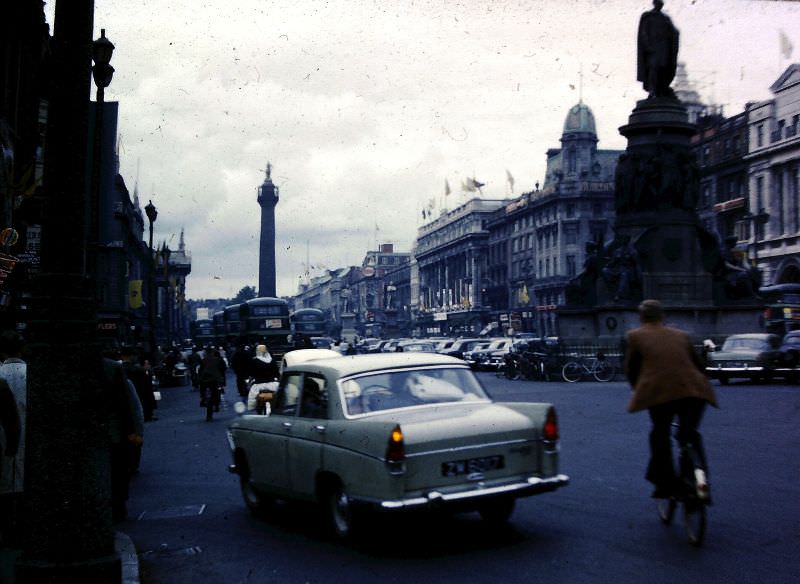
{"x":245,"y":294}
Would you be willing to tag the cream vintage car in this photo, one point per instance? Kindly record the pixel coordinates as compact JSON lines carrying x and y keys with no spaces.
{"x":393,"y":432}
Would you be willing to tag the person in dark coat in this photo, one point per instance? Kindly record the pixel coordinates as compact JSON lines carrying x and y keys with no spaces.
{"x":263,"y":367}
{"x":126,"y":431}
{"x":195,"y":358}
{"x":10,"y":434}
{"x":142,"y":381}
{"x":211,"y":376}
{"x":240,"y":359}
{"x":668,"y":380}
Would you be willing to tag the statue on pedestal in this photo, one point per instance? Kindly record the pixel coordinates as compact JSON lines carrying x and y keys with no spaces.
{"x":657,"y":51}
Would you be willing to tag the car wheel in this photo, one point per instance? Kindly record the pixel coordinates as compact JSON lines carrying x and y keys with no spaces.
{"x":338,"y":511}
{"x":497,"y":511}
{"x":256,"y":502}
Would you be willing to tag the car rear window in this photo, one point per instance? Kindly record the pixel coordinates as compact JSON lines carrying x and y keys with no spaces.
{"x":407,"y":388}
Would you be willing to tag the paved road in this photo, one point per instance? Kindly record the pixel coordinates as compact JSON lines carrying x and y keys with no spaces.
{"x":190,"y":526}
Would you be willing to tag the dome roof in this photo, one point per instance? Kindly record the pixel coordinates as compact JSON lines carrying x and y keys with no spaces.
{"x":580,"y":119}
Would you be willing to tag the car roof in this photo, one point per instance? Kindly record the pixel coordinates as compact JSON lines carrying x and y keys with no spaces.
{"x":347,"y":365}
{"x":751,"y":336}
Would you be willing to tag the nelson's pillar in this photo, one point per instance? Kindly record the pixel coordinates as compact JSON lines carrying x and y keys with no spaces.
{"x":267,"y":199}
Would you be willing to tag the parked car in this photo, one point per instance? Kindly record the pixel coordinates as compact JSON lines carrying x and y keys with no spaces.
{"x":479,"y":346}
{"x":482,"y":358}
{"x":321,"y":342}
{"x":790,"y":349}
{"x":754,"y":356}
{"x":416,"y":347}
{"x":459,"y":346}
{"x":390,"y":433}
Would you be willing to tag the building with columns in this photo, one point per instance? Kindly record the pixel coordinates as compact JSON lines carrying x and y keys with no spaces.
{"x":774,"y":176}
{"x":451,"y":256}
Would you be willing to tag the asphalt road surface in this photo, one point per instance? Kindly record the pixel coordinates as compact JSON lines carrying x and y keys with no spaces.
{"x":190,"y":526}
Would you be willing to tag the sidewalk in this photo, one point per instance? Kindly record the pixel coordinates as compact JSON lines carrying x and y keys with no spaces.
{"x":122,"y":545}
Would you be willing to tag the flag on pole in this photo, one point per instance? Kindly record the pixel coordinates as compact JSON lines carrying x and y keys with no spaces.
{"x":467,"y":186}
{"x":510,"y":180}
{"x":446,"y":188}
{"x":786,"y":45}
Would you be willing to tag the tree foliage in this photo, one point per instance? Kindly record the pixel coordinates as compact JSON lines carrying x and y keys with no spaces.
{"x":246,"y":293}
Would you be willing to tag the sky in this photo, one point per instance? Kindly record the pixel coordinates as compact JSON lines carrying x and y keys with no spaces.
{"x":365,"y":109}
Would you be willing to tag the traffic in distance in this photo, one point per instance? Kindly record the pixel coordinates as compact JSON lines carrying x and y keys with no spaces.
{"x":771,"y":355}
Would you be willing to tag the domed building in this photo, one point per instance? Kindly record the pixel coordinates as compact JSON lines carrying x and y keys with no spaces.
{"x":549,"y":227}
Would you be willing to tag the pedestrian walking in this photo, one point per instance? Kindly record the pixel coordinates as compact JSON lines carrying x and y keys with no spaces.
{"x":668,"y":380}
{"x":142,"y":382}
{"x":240,"y":359}
{"x":126,"y":432}
{"x":12,"y":468}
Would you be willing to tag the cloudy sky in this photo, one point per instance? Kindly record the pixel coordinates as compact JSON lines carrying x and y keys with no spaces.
{"x":365,"y":108}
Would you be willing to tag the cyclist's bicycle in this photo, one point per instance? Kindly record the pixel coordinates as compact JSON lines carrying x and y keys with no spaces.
{"x":597,"y":367}
{"x":694,"y":494}
{"x":213,"y":400}
{"x":528,"y":365}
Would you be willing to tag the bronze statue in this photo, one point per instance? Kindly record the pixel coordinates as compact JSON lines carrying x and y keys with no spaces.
{"x":657,"y":51}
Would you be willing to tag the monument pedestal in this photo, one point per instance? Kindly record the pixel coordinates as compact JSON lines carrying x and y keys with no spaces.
{"x":349,"y":332}
{"x":660,"y":249}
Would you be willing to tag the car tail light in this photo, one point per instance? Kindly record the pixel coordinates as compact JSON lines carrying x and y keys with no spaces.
{"x":396,"y":451}
{"x":550,"y":429}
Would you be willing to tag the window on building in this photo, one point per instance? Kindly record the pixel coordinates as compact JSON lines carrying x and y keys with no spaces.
{"x":759,"y":194}
{"x":547,"y":267}
{"x":570,"y":209}
{"x":760,"y":135}
{"x":571,"y":160}
{"x":540,"y":273}
{"x":777,"y":179}
{"x":571,"y":266}
{"x":571,"y":234}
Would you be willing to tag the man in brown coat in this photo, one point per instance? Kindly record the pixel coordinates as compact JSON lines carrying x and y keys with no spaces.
{"x":668,"y":380}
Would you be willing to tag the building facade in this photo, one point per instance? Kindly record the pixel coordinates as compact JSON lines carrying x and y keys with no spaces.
{"x":773,"y":175}
{"x":451,"y":258}
{"x":537,"y":242}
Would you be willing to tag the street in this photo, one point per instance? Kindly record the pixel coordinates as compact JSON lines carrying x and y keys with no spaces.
{"x":189,"y":524}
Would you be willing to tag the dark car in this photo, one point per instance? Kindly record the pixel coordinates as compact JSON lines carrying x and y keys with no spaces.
{"x":458,"y":348}
{"x":790,"y":349}
{"x":754,"y":356}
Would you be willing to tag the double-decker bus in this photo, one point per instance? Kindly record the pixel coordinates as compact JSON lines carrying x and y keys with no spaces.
{"x":203,"y":332}
{"x":266,"y":320}
{"x":219,"y":327}
{"x":233,"y":329}
{"x":782,"y":311}
{"x":309,"y":321}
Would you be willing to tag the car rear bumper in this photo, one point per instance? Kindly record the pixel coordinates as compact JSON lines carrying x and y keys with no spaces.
{"x":434,"y":498}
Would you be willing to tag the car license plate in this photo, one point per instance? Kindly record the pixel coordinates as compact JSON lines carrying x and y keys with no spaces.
{"x":472,"y":465}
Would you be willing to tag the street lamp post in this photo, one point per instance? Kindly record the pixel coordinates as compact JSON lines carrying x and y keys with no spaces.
{"x":152,"y":213}
{"x":102,"y":71}
{"x":165,"y":253}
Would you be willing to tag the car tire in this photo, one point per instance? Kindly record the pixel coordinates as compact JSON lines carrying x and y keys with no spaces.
{"x":497,"y":511}
{"x":254,"y":500}
{"x":337,"y":511}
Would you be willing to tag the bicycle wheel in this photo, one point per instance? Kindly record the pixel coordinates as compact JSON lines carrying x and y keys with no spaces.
{"x":572,"y":371}
{"x":694,"y":520}
{"x":666,"y":509}
{"x":604,"y":371}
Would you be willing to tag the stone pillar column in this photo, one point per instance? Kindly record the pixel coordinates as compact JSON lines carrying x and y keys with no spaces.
{"x":68,"y":535}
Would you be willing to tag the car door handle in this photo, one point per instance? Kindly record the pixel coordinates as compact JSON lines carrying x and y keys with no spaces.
{"x":320,"y":429}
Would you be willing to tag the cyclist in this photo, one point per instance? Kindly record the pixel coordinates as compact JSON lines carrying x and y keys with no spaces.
{"x":212,"y":378}
{"x":667,"y":379}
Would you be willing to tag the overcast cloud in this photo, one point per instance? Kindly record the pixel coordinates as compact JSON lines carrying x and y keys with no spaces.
{"x":365,"y":108}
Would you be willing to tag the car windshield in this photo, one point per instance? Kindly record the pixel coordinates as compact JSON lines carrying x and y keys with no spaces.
{"x":390,"y":390}
{"x":745,"y":345}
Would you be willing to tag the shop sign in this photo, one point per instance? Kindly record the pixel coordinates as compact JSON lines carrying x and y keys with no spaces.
{"x":439,"y":316}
